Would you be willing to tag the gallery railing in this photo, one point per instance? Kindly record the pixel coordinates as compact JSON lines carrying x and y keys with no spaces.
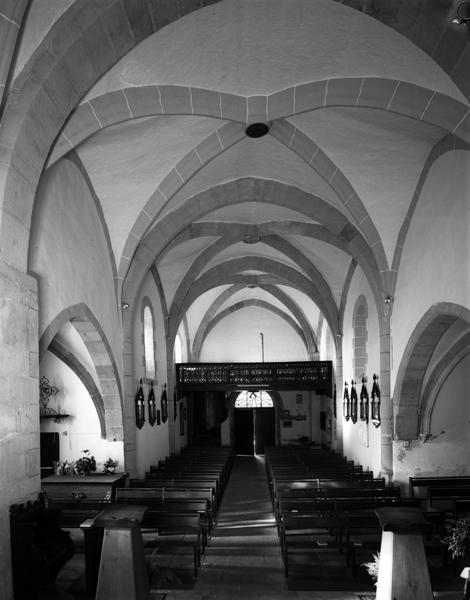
{"x":307,"y":375}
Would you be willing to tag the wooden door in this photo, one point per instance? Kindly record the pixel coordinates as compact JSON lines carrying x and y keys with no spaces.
{"x":264,"y":429}
{"x":243,"y":430}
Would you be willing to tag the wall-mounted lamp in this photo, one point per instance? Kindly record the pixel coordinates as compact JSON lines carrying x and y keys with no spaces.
{"x":462,"y":16}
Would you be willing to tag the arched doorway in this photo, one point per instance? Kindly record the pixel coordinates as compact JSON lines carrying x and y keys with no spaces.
{"x":254,"y":422}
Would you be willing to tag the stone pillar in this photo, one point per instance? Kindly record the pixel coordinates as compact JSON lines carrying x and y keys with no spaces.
{"x":403,"y":570}
{"x":19,"y":404}
{"x":10,"y":25}
{"x":386,"y":427}
{"x":129,"y":391}
{"x":171,"y":383}
{"x":338,"y":380}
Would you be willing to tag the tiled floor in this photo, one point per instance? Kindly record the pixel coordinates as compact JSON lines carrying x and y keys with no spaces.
{"x":243,"y":559}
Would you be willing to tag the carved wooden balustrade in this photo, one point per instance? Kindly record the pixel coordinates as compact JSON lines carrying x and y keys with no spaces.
{"x":307,"y":375}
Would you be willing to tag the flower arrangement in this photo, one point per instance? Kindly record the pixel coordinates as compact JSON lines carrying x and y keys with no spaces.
{"x":86,"y":464}
{"x":372,"y":567}
{"x":458,"y":539}
{"x":63,"y":467}
{"x":109,"y":466}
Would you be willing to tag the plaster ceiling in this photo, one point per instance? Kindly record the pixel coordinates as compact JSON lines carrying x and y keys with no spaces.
{"x":181,"y":191}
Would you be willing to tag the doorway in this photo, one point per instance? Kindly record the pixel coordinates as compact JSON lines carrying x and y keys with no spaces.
{"x":254,"y":423}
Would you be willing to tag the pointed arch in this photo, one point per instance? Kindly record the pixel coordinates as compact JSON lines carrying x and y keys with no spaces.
{"x":261,"y":304}
{"x":89,"y":329}
{"x":408,"y":387}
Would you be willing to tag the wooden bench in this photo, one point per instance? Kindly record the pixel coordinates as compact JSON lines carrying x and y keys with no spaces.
{"x":170,"y":486}
{"x":304,"y":535}
{"x":442,"y":493}
{"x":71,"y":514}
{"x":156,"y":501}
{"x":362,"y":492}
{"x":162,"y":533}
{"x":179,"y":479}
{"x":420,"y":486}
{"x":39,"y":549}
{"x":170,"y":533}
{"x":448,"y":500}
{"x":363,"y":536}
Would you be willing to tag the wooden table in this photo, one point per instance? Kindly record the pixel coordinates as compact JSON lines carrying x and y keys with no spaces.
{"x":81,"y":487}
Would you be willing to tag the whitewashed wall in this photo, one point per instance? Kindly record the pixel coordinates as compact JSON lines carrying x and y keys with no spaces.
{"x":152,"y":442}
{"x":243,"y":329}
{"x":361,"y":441}
{"x":81,"y":430}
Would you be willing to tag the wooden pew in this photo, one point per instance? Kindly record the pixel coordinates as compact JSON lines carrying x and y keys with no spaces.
{"x":71,"y":513}
{"x":442,"y":493}
{"x":178,"y":484}
{"x":173,"y":533}
{"x":152,"y":498}
{"x":363,"y":536}
{"x":197,"y":463}
{"x":307,"y":534}
{"x":165,"y":533}
{"x":435,"y":482}
{"x":180,"y":479}
{"x":39,"y":549}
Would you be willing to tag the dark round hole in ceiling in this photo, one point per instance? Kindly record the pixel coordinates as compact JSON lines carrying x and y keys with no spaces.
{"x":257,"y":130}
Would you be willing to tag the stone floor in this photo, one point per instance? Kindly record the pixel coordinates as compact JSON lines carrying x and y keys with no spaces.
{"x":243,"y":559}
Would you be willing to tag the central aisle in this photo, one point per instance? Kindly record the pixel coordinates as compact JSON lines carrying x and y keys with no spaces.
{"x":244,"y":553}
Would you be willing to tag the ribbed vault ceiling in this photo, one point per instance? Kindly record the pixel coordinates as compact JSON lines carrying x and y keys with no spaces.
{"x":278,"y":223}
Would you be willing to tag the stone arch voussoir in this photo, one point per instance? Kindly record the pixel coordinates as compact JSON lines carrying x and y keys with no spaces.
{"x":236,"y":192}
{"x":380,"y":93}
{"x":108,"y":397}
{"x":457,"y":352}
{"x":85,"y":42}
{"x":230,"y":270}
{"x":408,"y":387}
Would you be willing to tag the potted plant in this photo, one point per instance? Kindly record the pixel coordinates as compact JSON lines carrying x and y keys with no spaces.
{"x":458,"y":544}
{"x":109,"y":466}
{"x":86,"y":464}
{"x":372,"y":567}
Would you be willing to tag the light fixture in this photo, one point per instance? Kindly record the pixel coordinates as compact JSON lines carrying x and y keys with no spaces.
{"x":462,"y":16}
{"x":124,"y":305}
{"x":257,"y":130}
{"x":251,"y":239}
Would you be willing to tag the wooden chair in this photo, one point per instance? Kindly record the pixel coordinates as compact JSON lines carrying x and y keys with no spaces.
{"x":39,"y":549}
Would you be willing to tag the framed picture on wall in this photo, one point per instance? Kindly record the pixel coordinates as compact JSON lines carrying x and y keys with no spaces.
{"x":364,"y":402}
{"x":353,"y":402}
{"x":182,"y":418}
{"x":140,"y":407}
{"x":151,"y":405}
{"x":375,"y":403}
{"x":346,"y":402}
{"x":164,"y":404}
